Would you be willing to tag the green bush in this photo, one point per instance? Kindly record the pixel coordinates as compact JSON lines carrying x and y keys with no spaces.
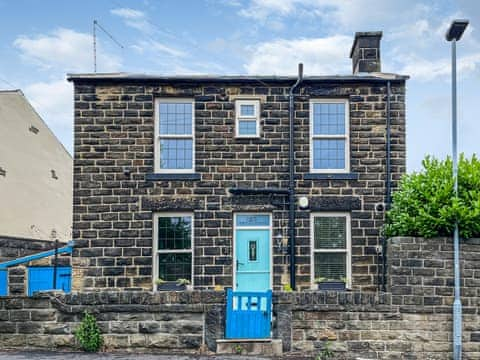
{"x":425,"y":205}
{"x":88,"y":334}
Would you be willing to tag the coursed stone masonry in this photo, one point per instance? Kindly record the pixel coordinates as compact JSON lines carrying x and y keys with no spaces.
{"x":114,"y":201}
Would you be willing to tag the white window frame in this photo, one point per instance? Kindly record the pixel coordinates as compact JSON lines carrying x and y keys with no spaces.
{"x":156,"y":251}
{"x":345,"y":137}
{"x":255,"y":117}
{"x":157,"y":136}
{"x":347,"y":250}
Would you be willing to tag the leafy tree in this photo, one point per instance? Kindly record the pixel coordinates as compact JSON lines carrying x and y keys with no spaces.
{"x":425,"y":205}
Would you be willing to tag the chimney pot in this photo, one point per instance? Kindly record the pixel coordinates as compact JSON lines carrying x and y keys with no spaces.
{"x":365,"y":53}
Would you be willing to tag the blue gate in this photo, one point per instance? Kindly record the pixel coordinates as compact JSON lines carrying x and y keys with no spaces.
{"x":3,"y":282}
{"x":249,"y":314}
{"x":41,"y":279}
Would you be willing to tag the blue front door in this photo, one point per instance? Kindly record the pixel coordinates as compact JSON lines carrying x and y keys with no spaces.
{"x":252,"y":252}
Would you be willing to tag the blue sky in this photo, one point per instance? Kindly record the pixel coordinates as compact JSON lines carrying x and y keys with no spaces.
{"x":41,"y":41}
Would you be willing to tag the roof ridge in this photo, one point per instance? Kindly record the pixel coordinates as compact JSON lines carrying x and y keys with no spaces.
{"x":12,"y":91}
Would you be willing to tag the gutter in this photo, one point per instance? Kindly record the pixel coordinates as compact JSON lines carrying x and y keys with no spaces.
{"x":291,"y":177}
{"x":189,"y":79}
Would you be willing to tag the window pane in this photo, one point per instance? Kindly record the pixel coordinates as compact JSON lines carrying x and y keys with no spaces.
{"x":331,"y":266}
{"x":247,"y":127}
{"x":175,"y":118}
{"x":174,"y":266}
{"x":247,"y":110}
{"x":252,"y":250}
{"x":253,"y":220}
{"x":328,"y":119}
{"x":176,"y":154}
{"x":329,"y":154}
{"x":174,"y":232}
{"x":330,"y":232}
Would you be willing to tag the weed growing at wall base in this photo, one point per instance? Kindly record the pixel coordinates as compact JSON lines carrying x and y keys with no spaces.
{"x":88,"y":334}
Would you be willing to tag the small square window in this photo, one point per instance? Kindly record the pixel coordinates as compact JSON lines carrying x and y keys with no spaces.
{"x":247,"y":119}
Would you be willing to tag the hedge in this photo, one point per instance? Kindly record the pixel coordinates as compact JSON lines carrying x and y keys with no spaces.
{"x":425,"y":205}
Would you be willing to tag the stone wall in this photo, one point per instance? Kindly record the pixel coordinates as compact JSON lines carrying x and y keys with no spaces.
{"x":411,"y":321}
{"x":128,"y":320}
{"x":114,"y":154}
{"x":357,"y":325}
{"x":370,"y":326}
{"x":421,"y":273}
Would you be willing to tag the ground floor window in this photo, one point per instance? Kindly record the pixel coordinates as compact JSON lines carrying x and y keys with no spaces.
{"x":330,"y":239}
{"x":173,"y":244}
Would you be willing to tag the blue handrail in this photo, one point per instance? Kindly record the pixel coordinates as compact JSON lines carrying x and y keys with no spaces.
{"x":63,"y":250}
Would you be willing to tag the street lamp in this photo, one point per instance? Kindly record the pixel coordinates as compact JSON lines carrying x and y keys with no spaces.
{"x":454,"y":34}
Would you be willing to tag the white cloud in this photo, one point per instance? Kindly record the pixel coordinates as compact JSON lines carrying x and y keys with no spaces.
{"x":261,"y":9}
{"x":128,"y":13}
{"x":328,"y":55}
{"x":135,"y":19}
{"x":426,"y":70}
{"x":349,"y":15}
{"x":53,"y":101}
{"x":66,"y":50}
{"x":157,"y":48}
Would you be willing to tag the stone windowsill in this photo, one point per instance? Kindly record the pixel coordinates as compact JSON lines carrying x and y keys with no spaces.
{"x":173,"y":177}
{"x":331,"y":176}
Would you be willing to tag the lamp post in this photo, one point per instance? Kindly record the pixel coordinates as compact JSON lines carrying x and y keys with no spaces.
{"x":454,"y":34}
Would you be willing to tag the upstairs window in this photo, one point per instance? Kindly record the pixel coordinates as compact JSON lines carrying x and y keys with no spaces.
{"x":329,"y":136}
{"x":174,"y":140}
{"x":247,"y":119}
{"x":331,"y":246}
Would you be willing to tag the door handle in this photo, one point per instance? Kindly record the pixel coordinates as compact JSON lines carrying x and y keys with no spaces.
{"x":239,"y":263}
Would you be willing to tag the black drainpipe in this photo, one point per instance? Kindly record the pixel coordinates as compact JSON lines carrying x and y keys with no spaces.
{"x":291,"y":183}
{"x":388,"y":191}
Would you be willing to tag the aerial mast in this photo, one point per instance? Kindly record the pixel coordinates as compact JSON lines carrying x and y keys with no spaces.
{"x":95,"y":25}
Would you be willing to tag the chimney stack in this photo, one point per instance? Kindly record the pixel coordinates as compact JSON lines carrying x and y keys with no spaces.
{"x":365,"y":53}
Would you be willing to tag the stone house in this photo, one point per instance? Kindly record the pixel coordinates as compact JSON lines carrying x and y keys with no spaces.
{"x":250,"y":182}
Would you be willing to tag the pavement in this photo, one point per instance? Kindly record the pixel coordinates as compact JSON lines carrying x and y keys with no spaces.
{"x":56,"y":355}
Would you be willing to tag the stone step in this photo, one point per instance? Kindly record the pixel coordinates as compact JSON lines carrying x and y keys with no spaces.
{"x":269,"y":347}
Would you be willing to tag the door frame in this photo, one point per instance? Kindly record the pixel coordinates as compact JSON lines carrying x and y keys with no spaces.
{"x":234,"y":243}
